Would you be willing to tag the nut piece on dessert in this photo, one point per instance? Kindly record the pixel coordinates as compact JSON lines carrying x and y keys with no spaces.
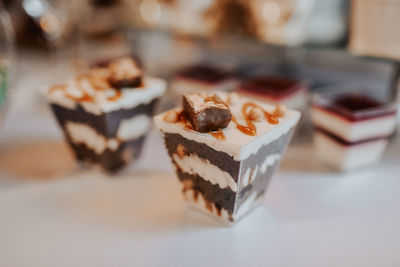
{"x":276,"y":90}
{"x":104,"y":116}
{"x":351,"y":130}
{"x":206,"y":112}
{"x":225,"y":173}
{"x":202,"y":78}
{"x":125,"y":72}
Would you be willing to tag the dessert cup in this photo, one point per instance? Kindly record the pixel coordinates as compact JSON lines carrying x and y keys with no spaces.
{"x":105,"y":116}
{"x":276,"y":90}
{"x":351,"y":130}
{"x":199,"y":78}
{"x":225,"y":172}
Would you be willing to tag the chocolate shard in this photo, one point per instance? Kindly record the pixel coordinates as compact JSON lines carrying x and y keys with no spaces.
{"x":206,"y":112}
{"x":125,"y":72}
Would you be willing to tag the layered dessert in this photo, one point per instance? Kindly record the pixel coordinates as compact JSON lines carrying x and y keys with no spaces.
{"x":106,"y":113}
{"x":351,"y":130}
{"x":201,"y":77}
{"x":225,"y":149}
{"x":276,"y":90}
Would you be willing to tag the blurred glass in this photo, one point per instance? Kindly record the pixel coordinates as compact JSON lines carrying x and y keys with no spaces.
{"x":282,"y":22}
{"x":7,"y":62}
{"x":55,"y":17}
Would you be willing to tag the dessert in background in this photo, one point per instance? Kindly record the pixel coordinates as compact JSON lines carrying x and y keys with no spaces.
{"x":225,"y":149}
{"x":199,"y":78}
{"x":276,"y":90}
{"x":106,"y":113}
{"x":351,"y":130}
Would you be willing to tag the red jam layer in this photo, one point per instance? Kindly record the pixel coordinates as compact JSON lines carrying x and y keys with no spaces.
{"x":204,"y":73}
{"x":274,"y":87}
{"x":355,"y":107}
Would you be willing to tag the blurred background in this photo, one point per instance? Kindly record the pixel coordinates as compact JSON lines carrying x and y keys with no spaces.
{"x":334,"y":45}
{"x":314,"y":214}
{"x":323,"y":41}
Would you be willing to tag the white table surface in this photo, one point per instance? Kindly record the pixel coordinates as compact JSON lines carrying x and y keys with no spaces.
{"x":55,"y":214}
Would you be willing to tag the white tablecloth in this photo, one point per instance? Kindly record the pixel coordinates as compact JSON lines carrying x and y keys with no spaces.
{"x":55,"y":214}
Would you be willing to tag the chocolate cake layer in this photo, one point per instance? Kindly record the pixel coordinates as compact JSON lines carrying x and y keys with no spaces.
{"x":105,"y":124}
{"x":109,"y":160}
{"x":220,"y":159}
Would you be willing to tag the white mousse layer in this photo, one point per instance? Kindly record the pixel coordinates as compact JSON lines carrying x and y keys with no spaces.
{"x":129,"y":129}
{"x":134,"y":127}
{"x":102,"y":99}
{"x":83,"y":134}
{"x":348,"y":157}
{"x":353,"y":131}
{"x":194,"y":165}
{"x":237,"y":144}
{"x":250,"y":174}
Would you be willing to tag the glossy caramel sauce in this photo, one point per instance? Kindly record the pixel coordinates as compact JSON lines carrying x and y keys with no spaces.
{"x":219,"y":134}
{"x":269,"y":117}
{"x":250,"y":128}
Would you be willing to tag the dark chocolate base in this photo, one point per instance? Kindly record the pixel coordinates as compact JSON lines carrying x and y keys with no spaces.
{"x":109,"y":160}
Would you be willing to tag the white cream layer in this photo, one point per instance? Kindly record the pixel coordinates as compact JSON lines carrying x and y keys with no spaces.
{"x":237,"y":144}
{"x":353,"y":131}
{"x":82,"y":134}
{"x":250,"y":174}
{"x":348,"y":157}
{"x":134,"y":127}
{"x":131,"y":97}
{"x":194,"y":165}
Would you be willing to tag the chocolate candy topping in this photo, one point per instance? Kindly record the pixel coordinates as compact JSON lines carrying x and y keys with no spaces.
{"x":206,"y":112}
{"x":125,"y":72}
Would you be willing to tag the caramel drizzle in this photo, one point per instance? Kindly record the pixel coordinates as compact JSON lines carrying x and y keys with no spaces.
{"x":250,"y":128}
{"x":85,"y":96}
{"x":269,"y":117}
{"x":219,"y":134}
